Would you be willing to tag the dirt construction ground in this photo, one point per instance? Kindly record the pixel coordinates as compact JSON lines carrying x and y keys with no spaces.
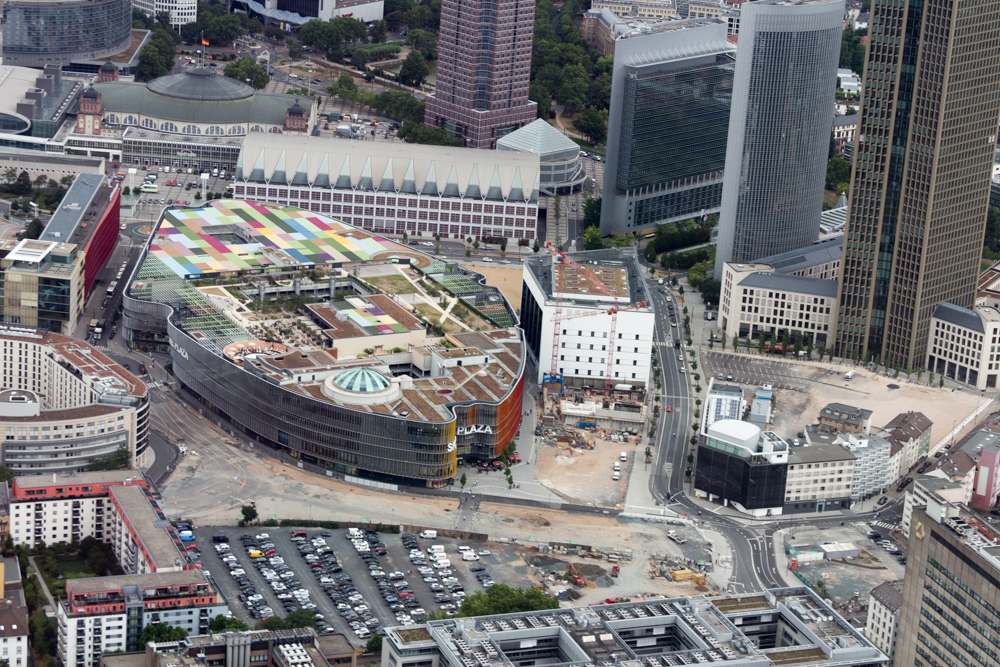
{"x":584,"y":475}
{"x":507,"y":280}
{"x":803,"y":388}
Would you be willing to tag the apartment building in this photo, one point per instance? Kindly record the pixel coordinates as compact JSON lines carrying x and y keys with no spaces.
{"x":820,"y":479}
{"x":884,"y":603}
{"x":106,"y":614}
{"x":841,"y":418}
{"x":114,"y":507}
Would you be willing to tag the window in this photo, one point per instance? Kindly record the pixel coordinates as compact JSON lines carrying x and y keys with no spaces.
{"x":168,"y":127}
{"x":191,"y":129}
{"x":149,"y":123}
{"x":130,"y":120}
{"x":215,"y":131}
{"x":256,"y":128}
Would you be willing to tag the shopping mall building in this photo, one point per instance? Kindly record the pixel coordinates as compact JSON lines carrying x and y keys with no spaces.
{"x":351,"y":380}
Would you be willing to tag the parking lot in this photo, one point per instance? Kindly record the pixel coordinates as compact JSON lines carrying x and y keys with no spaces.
{"x":756,"y":370}
{"x":400,"y":578}
{"x":176,"y":186}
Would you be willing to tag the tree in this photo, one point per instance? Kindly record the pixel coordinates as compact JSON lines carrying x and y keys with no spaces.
{"x":376,"y":31}
{"x":593,"y":124}
{"x":502,"y":599}
{"x":592,"y":212}
{"x":592,"y":239}
{"x":34,"y":229}
{"x":120,"y":460}
{"x":463,"y":480}
{"x":374,"y":644}
{"x":161,"y":632}
{"x":710,"y":291}
{"x":249,"y":513}
{"x":838,"y":170}
{"x":414,"y":69}
{"x":535,"y":248}
{"x":255,"y":27}
{"x":295,"y":49}
{"x":245,"y":68}
{"x":221,"y":624}
{"x":542,"y":97}
{"x":126,"y":190}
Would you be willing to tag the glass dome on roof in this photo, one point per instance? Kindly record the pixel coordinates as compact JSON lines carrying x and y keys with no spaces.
{"x":361,"y":381}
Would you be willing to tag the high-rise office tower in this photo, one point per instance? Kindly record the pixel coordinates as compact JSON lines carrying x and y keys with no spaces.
{"x":779,"y":127}
{"x":484,"y":70}
{"x":671,"y":88}
{"x":921,"y":178}
{"x":951,"y":591}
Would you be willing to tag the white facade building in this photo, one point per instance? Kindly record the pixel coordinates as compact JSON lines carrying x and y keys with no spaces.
{"x":963,"y":344}
{"x":181,"y":11}
{"x":585,"y":342}
{"x":395,"y":188}
{"x":882,"y":625}
{"x":872,"y":468}
{"x":107,"y":614}
{"x":820,"y":479}
{"x":722,"y":401}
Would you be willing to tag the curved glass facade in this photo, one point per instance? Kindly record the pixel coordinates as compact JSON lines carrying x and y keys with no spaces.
{"x":337,"y":437}
{"x":40,"y":33}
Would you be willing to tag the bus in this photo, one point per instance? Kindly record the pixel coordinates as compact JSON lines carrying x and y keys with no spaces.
{"x":149,"y":187}
{"x":111,"y":288}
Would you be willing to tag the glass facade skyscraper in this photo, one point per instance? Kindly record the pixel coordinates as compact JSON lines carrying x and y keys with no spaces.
{"x":667,"y":126}
{"x":920,"y":186}
{"x":779,"y":128}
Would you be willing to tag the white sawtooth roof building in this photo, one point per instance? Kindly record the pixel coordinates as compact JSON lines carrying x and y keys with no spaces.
{"x":392,"y":188}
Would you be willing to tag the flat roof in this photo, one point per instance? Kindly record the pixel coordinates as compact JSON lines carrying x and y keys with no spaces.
{"x":75,"y":205}
{"x":822,"y":252}
{"x":228,"y":236}
{"x":78,"y":479}
{"x":818,"y":453}
{"x":157,"y":542}
{"x":616,"y":268}
{"x":364,"y":316}
{"x":151,"y":580}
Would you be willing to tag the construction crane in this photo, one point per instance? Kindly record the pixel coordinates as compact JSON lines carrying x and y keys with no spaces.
{"x":558,"y":317}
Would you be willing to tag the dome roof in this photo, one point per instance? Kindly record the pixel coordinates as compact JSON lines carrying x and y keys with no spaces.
{"x":109,"y":66}
{"x":202,"y":84}
{"x":90,"y":94}
{"x":361,"y":381}
{"x":295,"y":109}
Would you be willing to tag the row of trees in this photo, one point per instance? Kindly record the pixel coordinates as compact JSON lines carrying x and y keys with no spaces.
{"x":679,"y":235}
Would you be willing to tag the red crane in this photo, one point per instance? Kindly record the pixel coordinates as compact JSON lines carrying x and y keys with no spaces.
{"x":560,"y":256}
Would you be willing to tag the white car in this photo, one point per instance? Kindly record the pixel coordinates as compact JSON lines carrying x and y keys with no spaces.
{"x":238,"y":572}
{"x":487,"y":259}
{"x":263,"y":536}
{"x":485,"y":552}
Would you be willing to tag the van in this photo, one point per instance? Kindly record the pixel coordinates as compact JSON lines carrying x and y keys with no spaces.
{"x":660,"y":281}
{"x":222,"y":174}
{"x":220,"y":538}
{"x":298,"y":533}
{"x":354,"y":534}
{"x":623,"y":457}
{"x":215,"y":171}
{"x":436,"y":549}
{"x":166,"y":170}
{"x":429,"y":534}
{"x":616,"y":476}
{"x":254,"y":553}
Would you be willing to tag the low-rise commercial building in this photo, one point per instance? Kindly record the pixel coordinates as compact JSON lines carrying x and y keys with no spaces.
{"x":65,"y":404}
{"x":820,"y":479}
{"x":742,"y":466}
{"x":108,"y":614}
{"x":962,"y":344}
{"x":296,"y":647}
{"x":841,"y":418}
{"x":772,"y":627}
{"x":579,"y":350}
{"x":113,"y":507}
{"x":386,"y":188}
{"x":560,"y":169}
{"x":882,"y":624}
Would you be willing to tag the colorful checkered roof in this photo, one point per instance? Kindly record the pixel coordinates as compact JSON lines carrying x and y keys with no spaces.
{"x":228,"y":236}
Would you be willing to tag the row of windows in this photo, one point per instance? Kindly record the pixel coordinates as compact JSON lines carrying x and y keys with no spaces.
{"x":167,"y":126}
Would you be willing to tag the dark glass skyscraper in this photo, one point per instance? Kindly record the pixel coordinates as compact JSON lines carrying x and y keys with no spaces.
{"x":779,"y":127}
{"x":484,"y":70}
{"x":667,"y":126}
{"x":921,"y":179}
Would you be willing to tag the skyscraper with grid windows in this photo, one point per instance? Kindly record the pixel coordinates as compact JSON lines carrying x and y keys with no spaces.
{"x":484,"y":70}
{"x":779,"y":128}
{"x":921,"y":179}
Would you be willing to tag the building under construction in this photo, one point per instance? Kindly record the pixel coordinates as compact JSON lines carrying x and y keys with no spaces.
{"x":588,"y":321}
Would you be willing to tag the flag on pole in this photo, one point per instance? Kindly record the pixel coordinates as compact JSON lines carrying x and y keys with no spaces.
{"x":204,"y":41}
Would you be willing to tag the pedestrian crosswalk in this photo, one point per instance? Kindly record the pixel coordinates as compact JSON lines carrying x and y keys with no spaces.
{"x":882,"y":524}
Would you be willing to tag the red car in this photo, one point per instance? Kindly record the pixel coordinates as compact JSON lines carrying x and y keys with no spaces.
{"x":669,"y":409}
{"x":192,"y":547}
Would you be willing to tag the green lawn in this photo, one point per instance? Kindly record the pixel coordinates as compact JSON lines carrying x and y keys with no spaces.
{"x":589,"y":147}
{"x":392,"y":284}
{"x":73,"y":568}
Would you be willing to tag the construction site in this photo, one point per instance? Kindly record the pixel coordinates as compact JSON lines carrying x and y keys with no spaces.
{"x":589,"y":318}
